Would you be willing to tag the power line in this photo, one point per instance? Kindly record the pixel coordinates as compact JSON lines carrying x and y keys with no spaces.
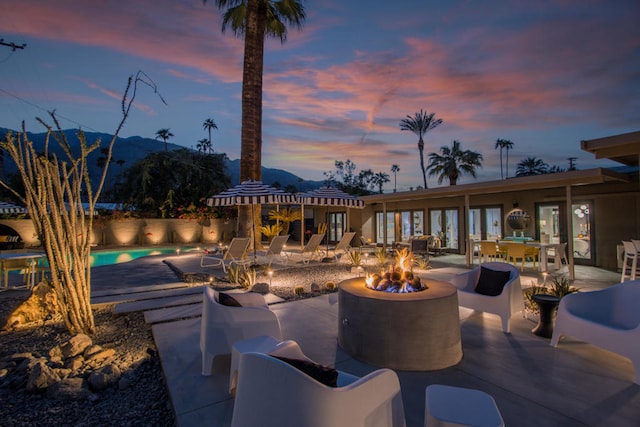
{"x":12,"y":45}
{"x":47,"y":111}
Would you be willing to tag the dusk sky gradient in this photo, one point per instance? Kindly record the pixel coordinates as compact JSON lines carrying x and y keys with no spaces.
{"x":543,"y":74}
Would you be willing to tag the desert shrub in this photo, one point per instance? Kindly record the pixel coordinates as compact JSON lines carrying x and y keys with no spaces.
{"x":298,"y":290}
{"x":330,"y":285}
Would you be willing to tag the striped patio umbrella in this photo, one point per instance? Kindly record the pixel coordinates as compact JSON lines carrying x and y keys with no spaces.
{"x":251,"y":192}
{"x":329,"y":196}
{"x":10,"y":208}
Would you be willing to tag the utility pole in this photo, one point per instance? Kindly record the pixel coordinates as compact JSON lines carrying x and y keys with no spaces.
{"x":572,"y":163}
{"x":12,"y":45}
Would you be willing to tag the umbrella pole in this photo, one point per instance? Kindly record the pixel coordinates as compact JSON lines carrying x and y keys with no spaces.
{"x":253,"y":232}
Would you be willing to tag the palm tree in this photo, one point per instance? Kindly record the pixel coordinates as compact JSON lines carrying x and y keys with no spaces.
{"x":380,"y":179}
{"x":531,"y":166}
{"x":164,"y":134}
{"x":453,"y":162}
{"x":202,"y":145}
{"x":208,"y":125}
{"x":255,"y":20}
{"x":504,"y":143}
{"x":395,"y":169}
{"x":419,"y":124}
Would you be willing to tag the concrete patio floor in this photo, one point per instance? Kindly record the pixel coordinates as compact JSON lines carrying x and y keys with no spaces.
{"x":576,"y":384}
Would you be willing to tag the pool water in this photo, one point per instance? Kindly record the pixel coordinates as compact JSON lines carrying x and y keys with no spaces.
{"x":101,"y":258}
{"x":110,"y":257}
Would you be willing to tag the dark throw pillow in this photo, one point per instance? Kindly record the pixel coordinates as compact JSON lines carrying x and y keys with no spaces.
{"x":491,"y":282}
{"x":324,"y":374}
{"x":228,"y":300}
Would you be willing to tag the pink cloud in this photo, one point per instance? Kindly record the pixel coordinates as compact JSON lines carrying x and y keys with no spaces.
{"x":185,"y":34}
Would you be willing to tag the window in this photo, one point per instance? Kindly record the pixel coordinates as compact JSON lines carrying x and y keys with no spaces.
{"x":391,"y":233}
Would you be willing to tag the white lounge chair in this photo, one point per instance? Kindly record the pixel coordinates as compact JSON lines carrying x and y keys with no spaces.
{"x":608,"y":318}
{"x":273,"y":393}
{"x":235,"y":254}
{"x":310,"y":251}
{"x":223,"y":325}
{"x":275,"y":252}
{"x":506,"y":304}
{"x":343,"y":245}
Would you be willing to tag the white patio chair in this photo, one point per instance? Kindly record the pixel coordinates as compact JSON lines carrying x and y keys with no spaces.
{"x":275,"y":252}
{"x":630,"y":254}
{"x":223,"y":325}
{"x":558,"y":254}
{"x":272,"y":393}
{"x":311,"y":250}
{"x":506,"y":304}
{"x":343,"y":245}
{"x":235,"y":254}
{"x":608,"y":318}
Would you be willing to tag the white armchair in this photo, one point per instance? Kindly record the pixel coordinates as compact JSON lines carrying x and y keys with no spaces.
{"x":272,"y":393}
{"x":223,"y":325}
{"x":505,"y":304}
{"x":608,"y":318}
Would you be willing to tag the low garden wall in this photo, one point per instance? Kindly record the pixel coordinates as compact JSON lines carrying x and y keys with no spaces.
{"x":141,"y":232}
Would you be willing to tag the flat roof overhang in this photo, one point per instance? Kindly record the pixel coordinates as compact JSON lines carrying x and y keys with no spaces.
{"x":534,"y":182}
{"x":623,"y":148}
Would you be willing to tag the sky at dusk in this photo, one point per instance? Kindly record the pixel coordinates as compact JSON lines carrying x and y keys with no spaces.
{"x":543,"y":74}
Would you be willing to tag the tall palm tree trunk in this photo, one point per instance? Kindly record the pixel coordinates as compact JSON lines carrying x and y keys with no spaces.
{"x":251,"y":136}
{"x":507,"y":164}
{"x":421,"y":150}
{"x":501,"y":172}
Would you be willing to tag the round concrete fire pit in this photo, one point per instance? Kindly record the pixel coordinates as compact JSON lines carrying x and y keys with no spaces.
{"x":418,"y":331}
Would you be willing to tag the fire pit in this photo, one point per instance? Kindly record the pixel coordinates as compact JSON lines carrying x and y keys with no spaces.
{"x":414,"y":331}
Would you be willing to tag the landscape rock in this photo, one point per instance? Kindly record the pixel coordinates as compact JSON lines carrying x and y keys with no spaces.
{"x":70,"y":389}
{"x":41,"y":305}
{"x":101,"y":355}
{"x":104,"y":377}
{"x":41,"y":377}
{"x":76,"y":345}
{"x":74,"y":363}
{"x":260,"y":288}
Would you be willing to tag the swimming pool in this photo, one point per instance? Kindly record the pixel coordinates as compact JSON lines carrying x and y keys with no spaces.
{"x":110,"y":257}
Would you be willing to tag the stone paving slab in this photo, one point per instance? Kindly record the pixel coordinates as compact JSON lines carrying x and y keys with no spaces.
{"x":150,"y":304}
{"x":141,"y":296}
{"x":133,"y":290}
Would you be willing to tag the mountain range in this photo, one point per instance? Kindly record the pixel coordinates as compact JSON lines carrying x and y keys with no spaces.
{"x":132,"y":149}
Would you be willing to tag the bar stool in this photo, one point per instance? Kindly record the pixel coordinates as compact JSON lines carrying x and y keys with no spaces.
{"x":630,"y":253}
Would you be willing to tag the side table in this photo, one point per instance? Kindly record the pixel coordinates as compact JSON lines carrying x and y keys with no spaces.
{"x":547,"y":305}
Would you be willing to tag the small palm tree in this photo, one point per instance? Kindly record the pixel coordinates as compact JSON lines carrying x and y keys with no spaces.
{"x":395,"y":169}
{"x":164,"y":134}
{"x":453,"y":162}
{"x":531,"y":166}
{"x":208,"y":125}
{"x":420,"y":123}
{"x":202,"y":145}
{"x":379,"y":179}
{"x":506,"y":144}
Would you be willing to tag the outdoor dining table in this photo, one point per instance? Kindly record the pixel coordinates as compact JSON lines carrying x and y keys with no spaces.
{"x":25,"y":262}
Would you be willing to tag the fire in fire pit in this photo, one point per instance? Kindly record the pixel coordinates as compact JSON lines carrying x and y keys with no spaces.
{"x":399,"y":278}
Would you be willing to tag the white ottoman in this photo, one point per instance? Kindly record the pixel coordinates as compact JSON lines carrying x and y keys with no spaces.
{"x":447,"y":406}
{"x":260,"y":344}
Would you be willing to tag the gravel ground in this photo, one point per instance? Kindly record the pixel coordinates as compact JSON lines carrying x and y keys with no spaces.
{"x":142,"y":401}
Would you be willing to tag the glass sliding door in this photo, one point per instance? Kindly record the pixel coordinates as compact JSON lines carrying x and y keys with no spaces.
{"x":444,"y":224}
{"x":391,"y":227}
{"x":411,"y":224}
{"x":337,"y":224}
{"x":475,"y":224}
{"x":493,"y":223}
{"x":582,"y":230}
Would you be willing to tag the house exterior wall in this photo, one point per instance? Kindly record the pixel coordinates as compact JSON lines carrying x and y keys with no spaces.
{"x":616,"y":213}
